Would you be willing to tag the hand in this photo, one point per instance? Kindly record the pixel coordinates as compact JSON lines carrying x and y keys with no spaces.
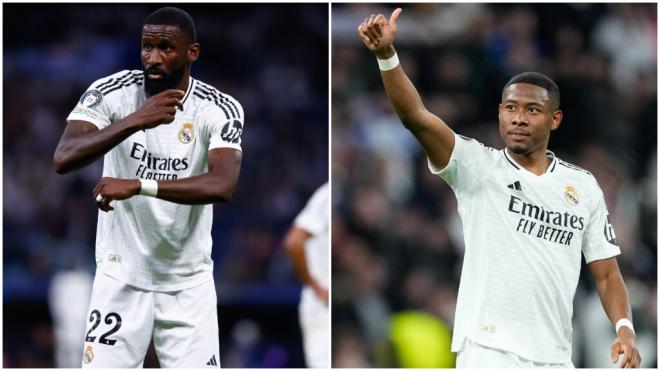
{"x":321,"y":292}
{"x":625,"y":343}
{"x":108,"y":189}
{"x":378,"y":33}
{"x":159,"y":109}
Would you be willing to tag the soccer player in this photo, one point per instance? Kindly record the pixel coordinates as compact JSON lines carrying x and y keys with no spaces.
{"x":526,"y":216}
{"x":307,"y":242}
{"x":171,"y":147}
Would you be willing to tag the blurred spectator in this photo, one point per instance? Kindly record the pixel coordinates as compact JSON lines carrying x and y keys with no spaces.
{"x":397,"y":238}
{"x":70,"y":292}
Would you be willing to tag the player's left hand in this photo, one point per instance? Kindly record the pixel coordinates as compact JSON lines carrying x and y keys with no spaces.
{"x":109,"y":189}
{"x":625,"y":344}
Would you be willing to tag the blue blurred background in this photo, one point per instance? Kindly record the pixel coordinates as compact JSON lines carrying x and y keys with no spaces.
{"x":397,"y":241}
{"x":273,"y":58}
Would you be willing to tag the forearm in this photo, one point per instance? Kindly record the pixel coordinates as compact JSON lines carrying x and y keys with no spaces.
{"x":201,"y":189}
{"x":614,"y":297}
{"x":75,"y":152}
{"x":402,"y":93}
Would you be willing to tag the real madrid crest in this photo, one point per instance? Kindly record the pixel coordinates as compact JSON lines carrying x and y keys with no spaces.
{"x":88,"y":356}
{"x":571,"y":196}
{"x":186,"y":134}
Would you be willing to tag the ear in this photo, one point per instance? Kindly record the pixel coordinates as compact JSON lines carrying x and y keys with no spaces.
{"x":557,"y":116}
{"x":193,"y":52}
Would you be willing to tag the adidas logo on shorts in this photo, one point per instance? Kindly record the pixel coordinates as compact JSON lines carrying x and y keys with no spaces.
{"x":212,"y":361}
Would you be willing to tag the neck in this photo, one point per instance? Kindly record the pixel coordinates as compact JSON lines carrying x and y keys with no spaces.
{"x":536,"y":162}
{"x":183,"y":84}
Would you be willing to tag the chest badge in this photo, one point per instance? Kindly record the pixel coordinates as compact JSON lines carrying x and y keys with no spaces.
{"x":186,"y":134}
{"x":570,"y":196}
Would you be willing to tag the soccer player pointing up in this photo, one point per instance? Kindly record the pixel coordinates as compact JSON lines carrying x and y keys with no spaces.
{"x":527,"y":217}
{"x":171,"y":147}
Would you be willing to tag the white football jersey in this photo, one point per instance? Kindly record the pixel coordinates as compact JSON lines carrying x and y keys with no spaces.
{"x":146,"y":242}
{"x":523,"y":238}
{"x":315,"y":220}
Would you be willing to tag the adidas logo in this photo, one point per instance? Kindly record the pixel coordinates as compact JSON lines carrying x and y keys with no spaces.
{"x":515,"y":185}
{"x":212,"y":361}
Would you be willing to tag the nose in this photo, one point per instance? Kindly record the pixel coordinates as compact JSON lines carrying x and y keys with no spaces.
{"x":519,"y":119}
{"x":153,"y":58}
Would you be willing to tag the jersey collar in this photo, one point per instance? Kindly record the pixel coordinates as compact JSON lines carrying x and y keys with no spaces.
{"x":191,"y":81}
{"x":514,"y":163}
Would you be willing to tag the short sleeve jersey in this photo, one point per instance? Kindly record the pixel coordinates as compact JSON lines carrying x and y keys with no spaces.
{"x":314,"y":219}
{"x":146,"y":242}
{"x":524,"y":236}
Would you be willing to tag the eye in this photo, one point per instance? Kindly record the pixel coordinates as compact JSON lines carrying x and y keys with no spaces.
{"x":166,"y":48}
{"x":534,"y":110}
{"x":510,"y":107}
{"x":146,"y":47}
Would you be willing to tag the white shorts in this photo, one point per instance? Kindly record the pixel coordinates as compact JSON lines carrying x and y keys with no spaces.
{"x":314,"y":325}
{"x":473,"y":355}
{"x":123,"y":320}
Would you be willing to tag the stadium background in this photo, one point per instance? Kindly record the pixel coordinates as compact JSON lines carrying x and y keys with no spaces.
{"x":273,"y":58}
{"x":396,"y":238}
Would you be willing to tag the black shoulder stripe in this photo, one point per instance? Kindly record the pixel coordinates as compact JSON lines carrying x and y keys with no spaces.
{"x":219,"y":99}
{"x":219,"y":102}
{"x":135,"y":81}
{"x":119,"y":82}
{"x":197,"y":94}
{"x":223,"y":98}
{"x":573,"y":167}
{"x":113,"y":80}
{"x":231,"y":103}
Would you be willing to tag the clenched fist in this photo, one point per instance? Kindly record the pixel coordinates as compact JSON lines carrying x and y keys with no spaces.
{"x":378,"y":33}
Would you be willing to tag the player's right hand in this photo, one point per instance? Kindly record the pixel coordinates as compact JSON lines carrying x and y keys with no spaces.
{"x":624,"y":344}
{"x":378,"y":33}
{"x":159,"y":109}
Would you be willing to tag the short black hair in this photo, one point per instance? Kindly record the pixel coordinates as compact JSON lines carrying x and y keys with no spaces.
{"x":172,"y":16}
{"x":540,"y":80}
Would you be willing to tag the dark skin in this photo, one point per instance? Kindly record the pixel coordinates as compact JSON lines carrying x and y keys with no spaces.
{"x":294,"y":242}
{"x":164,"y":49}
{"x":527,"y":115}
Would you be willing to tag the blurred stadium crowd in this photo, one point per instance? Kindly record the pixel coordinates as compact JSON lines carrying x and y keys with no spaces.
{"x":397,"y":239}
{"x":273,"y":58}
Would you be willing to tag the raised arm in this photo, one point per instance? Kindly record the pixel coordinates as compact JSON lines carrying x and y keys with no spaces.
{"x":82,"y":143}
{"x":431,"y":132}
{"x":217,"y":185}
{"x":614,"y":297}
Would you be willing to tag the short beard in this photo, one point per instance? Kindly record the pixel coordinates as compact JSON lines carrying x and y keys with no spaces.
{"x":169,"y":81}
{"x":518,"y":150}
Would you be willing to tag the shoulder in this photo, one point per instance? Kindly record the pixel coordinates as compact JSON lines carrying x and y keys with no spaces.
{"x":574,"y":170}
{"x":579,"y":176}
{"x":321,"y":195}
{"x":120,"y":80}
{"x":473,"y":147}
{"x":216,"y":102}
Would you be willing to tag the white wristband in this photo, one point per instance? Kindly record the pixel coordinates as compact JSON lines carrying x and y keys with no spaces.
{"x":149,"y":187}
{"x":389,"y":63}
{"x":624,"y":322}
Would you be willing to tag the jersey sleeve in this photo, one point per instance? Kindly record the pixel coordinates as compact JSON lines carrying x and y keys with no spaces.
{"x":225,"y":123}
{"x":94,"y":107}
{"x":314,"y":217}
{"x":467,"y":165}
{"x":600,"y":240}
